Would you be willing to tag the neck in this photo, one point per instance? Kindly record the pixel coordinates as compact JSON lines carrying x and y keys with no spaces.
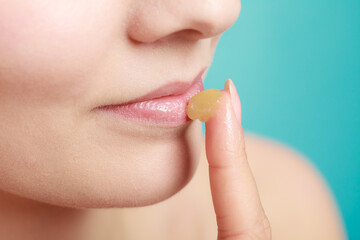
{"x":26,"y":219}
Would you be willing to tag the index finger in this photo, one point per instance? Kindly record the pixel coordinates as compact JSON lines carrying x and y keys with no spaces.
{"x":235,"y":196}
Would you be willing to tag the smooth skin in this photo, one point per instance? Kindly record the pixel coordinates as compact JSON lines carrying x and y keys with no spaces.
{"x":70,"y":172}
{"x":239,"y":212}
{"x":295,"y":201}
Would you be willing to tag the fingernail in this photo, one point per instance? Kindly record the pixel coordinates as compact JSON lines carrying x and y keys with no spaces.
{"x":235,"y":100}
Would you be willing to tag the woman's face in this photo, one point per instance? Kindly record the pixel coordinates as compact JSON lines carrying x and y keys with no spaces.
{"x":59,"y":60}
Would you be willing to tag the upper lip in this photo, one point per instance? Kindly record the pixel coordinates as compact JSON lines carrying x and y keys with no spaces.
{"x":169,"y":89}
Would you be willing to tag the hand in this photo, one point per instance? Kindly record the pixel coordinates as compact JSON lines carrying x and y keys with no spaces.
{"x":236,"y":200}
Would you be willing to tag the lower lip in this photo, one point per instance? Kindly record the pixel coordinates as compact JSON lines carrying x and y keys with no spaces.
{"x":169,"y":111}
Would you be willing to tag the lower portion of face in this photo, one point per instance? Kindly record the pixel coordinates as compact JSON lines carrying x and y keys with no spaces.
{"x":92,"y":162}
{"x":61,"y":59}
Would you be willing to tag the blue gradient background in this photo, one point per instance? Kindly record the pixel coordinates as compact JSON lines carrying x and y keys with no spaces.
{"x":296,"y":66}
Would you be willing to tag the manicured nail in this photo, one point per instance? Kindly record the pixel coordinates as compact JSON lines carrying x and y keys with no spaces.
{"x":234,"y":98}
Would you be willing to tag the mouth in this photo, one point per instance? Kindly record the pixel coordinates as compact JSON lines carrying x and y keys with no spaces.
{"x":165,"y":106}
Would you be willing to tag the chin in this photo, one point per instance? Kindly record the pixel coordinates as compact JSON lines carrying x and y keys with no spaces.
{"x":162,"y":170}
{"x":129,"y":177}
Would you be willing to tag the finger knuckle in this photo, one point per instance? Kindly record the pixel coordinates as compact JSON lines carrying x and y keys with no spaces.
{"x":261,"y":230}
{"x":265,"y":227}
{"x":234,"y":153}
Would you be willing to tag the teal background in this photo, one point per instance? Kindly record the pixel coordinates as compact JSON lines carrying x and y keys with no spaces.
{"x":296,"y":66}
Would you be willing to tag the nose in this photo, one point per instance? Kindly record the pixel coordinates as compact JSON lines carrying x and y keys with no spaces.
{"x":151,"y":20}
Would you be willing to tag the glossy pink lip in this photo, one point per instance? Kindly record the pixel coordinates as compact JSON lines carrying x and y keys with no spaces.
{"x":164,"y":106}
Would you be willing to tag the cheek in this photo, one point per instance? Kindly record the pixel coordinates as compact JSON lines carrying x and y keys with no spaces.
{"x":48,"y":47}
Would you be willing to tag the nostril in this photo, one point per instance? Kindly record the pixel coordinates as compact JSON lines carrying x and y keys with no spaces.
{"x":187,"y":34}
{"x":190,"y":34}
{"x":191,"y":20}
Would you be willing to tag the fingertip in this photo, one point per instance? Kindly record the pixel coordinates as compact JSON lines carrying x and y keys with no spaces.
{"x":223,"y":114}
{"x":222,"y":135}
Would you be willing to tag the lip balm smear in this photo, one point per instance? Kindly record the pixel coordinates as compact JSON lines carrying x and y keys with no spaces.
{"x":204,"y":104}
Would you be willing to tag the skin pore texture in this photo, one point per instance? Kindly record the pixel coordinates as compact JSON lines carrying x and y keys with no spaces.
{"x":60,"y":159}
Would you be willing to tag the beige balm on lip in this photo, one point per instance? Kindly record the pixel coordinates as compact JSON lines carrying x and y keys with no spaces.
{"x":204,"y":104}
